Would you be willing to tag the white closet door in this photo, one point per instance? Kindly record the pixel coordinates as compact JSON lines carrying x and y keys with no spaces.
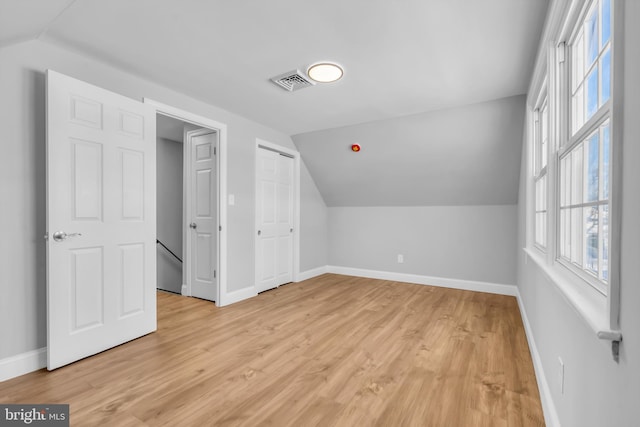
{"x":274,"y":220}
{"x":101,"y":219}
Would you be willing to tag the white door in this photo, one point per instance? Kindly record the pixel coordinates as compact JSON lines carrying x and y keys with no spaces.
{"x":274,"y":219}
{"x":203,"y":212}
{"x":101,"y":219}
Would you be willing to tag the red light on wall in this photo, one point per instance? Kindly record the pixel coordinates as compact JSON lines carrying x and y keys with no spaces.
{"x":355,"y":148}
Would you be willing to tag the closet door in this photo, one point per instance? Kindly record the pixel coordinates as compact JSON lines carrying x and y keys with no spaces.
{"x":274,"y":219}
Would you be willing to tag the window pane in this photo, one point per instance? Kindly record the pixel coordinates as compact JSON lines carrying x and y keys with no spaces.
{"x":541,"y":228}
{"x":578,"y":62}
{"x":605,"y":83}
{"x":591,"y":31}
{"x":605,"y":161}
{"x":577,"y":117}
{"x":576,"y":175}
{"x":591,"y":239}
{"x":591,"y":153}
{"x":604,"y":247}
{"x":563,"y":241}
{"x":606,"y":21}
{"x":565,"y":181}
{"x":565,"y":233}
{"x":592,"y":92}
{"x":576,"y":235}
{"x":544,"y":137}
{"x":544,"y":192}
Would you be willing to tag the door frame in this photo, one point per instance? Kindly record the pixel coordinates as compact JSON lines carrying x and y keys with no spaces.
{"x":221,"y":164}
{"x":187,"y":206}
{"x":260,"y":143}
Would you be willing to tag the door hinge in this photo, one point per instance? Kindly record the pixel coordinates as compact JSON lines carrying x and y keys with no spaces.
{"x":214,"y":274}
{"x":219,"y":228}
{"x":562,"y":47}
{"x":214,"y":151}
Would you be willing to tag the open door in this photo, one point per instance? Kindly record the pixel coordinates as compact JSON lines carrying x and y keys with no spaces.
{"x":101,"y":219}
{"x":202,"y":212}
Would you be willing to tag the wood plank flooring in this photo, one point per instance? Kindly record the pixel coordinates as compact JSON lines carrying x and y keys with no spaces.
{"x":330,"y":351}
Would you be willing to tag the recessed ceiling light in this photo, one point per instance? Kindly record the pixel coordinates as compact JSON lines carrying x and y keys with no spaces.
{"x":325,"y":72}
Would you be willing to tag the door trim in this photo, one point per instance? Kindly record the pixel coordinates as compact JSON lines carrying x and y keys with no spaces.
{"x":221,"y":128}
{"x":260,"y":143}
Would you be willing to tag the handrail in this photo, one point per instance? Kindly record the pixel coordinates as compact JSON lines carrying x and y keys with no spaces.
{"x":168,"y":250}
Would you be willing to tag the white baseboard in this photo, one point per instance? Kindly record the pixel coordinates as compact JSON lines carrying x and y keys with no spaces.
{"x":184,"y":290}
{"x":551,"y":418}
{"x":20,"y":364}
{"x":468,"y":285}
{"x":237,"y":296}
{"x":309,"y":274}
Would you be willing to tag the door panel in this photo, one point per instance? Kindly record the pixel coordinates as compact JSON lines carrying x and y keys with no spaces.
{"x":87,"y":180}
{"x":131,"y":185}
{"x":274,"y":220}
{"x":87,"y":288}
{"x":100,"y":185}
{"x":131,"y":279}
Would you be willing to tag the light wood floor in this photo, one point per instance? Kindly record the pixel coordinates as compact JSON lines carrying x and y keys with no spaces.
{"x":330,"y":351}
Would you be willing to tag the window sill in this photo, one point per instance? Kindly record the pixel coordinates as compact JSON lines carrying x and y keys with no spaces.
{"x":588,"y":303}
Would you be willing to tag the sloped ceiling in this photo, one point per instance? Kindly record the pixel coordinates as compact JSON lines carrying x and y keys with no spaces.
{"x":400,"y":57}
{"x":402,"y":60}
{"x":462,"y":156}
{"x":22,"y":20}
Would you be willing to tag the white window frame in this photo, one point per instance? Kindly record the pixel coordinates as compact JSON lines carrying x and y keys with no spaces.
{"x":569,"y":140}
{"x":539,"y":171}
{"x":552,"y":69}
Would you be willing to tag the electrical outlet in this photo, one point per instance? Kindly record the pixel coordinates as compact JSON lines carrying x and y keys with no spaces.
{"x":400,"y":258}
{"x":561,"y":375}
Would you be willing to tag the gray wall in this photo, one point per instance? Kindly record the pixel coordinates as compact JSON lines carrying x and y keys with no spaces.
{"x":169,"y":213}
{"x":598,"y":391}
{"x":22,"y":165}
{"x":456,"y":242}
{"x":314,"y":223}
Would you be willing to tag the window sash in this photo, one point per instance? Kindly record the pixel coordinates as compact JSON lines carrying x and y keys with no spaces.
{"x":573,"y":204}
{"x":541,"y":159}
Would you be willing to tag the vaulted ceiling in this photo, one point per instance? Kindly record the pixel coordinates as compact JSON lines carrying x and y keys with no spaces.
{"x":462,"y":156}
{"x":401,"y":58}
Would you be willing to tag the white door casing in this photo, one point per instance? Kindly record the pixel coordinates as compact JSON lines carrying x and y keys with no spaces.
{"x":202,"y":234}
{"x":274,"y":219}
{"x":101,"y":283}
{"x":221,"y":158}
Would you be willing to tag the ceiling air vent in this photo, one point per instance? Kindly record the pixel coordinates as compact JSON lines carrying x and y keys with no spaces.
{"x":291,"y":81}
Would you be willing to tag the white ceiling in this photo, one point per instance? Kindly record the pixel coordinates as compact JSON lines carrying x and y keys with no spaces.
{"x":400,"y":57}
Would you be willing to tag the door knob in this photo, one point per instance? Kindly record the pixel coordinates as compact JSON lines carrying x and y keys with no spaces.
{"x":60,"y":236}
{"x":259,"y":232}
{"x":193,"y":225}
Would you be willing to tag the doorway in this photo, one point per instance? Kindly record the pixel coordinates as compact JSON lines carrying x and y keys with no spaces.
{"x":191,"y":243}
